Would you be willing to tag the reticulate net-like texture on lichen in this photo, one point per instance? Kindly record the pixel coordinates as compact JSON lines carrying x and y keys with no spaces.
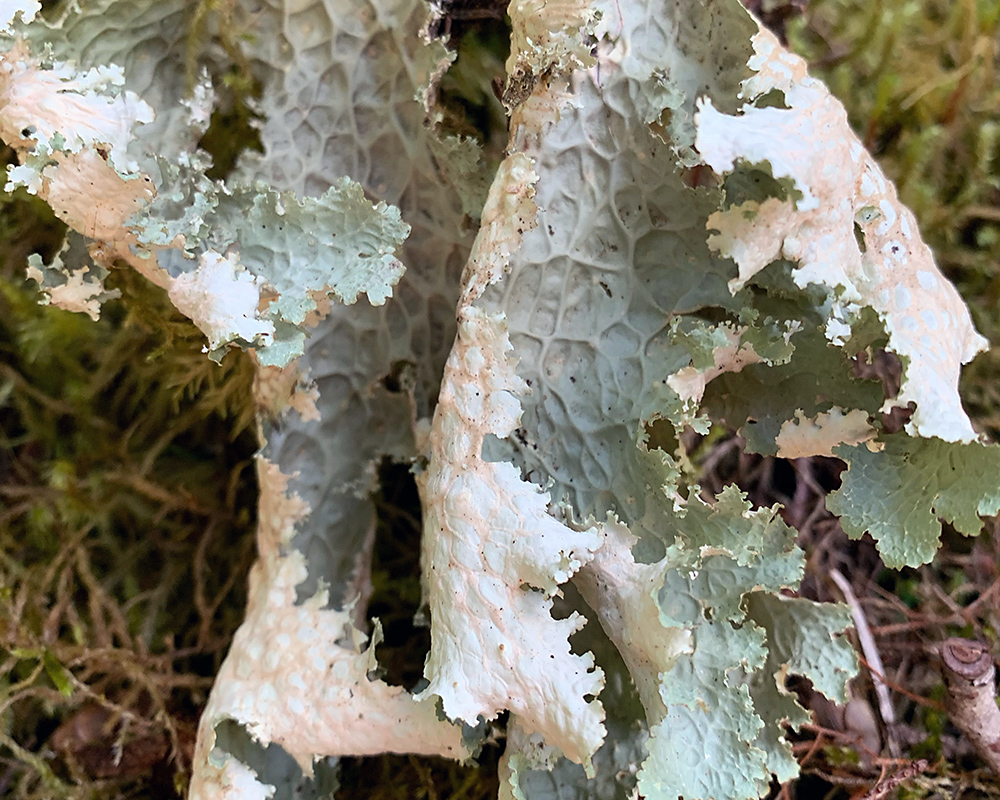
{"x":684,"y":232}
{"x":340,"y":96}
{"x":601,"y":258}
{"x":250,"y":262}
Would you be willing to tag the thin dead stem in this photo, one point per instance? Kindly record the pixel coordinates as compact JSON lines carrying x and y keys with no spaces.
{"x":870,"y":649}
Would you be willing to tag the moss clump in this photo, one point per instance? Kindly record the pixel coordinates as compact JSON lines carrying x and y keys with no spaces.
{"x":126,"y":479}
{"x":127,"y":493}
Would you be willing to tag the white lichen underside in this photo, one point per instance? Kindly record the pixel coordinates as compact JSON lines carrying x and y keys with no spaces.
{"x":304,"y":689}
{"x":222,"y":299}
{"x":493,"y":556}
{"x":811,"y":142}
{"x":81,"y":293}
{"x":623,"y":593}
{"x":232,"y":780}
{"x":690,"y":382}
{"x":817,"y":436}
{"x":9,"y":9}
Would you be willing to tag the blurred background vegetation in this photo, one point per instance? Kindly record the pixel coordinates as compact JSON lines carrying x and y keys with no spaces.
{"x":127,"y":490}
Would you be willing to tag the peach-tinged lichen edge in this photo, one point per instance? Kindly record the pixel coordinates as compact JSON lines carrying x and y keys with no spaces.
{"x":488,"y":533}
{"x":72,"y":129}
{"x":841,"y":187}
{"x":308,"y":688}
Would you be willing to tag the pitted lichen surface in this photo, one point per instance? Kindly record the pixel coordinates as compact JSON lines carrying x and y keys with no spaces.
{"x":682,"y":233}
{"x":894,"y":273}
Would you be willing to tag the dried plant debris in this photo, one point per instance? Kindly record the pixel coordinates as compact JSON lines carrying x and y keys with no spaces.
{"x":553,"y":301}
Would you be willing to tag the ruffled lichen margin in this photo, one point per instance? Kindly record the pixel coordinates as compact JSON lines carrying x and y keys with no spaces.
{"x":683,"y":230}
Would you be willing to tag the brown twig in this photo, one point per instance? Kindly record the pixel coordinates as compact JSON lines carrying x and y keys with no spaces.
{"x":814,"y":747}
{"x":916,"y":698}
{"x":882,"y":789}
{"x":837,"y":779}
{"x":968,"y":675}
{"x":845,"y":738}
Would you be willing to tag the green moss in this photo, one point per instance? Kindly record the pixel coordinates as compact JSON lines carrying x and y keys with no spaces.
{"x":126,"y":480}
{"x":126,"y":516}
{"x":413,"y":778}
{"x":27,"y":225}
{"x":468,"y":91}
{"x":934,"y":722}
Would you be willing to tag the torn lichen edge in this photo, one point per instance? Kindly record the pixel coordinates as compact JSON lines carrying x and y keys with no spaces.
{"x":811,"y":142}
{"x":492,"y":555}
{"x":309,"y":689}
{"x":72,"y":129}
{"x":10,"y":9}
